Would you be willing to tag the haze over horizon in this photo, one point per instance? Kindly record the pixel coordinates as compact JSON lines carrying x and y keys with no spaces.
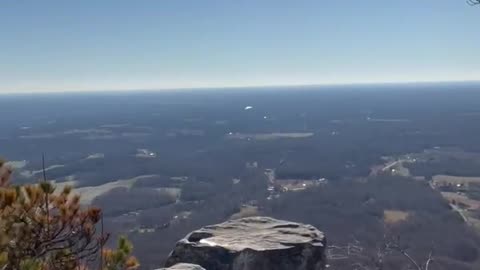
{"x":57,"y":46}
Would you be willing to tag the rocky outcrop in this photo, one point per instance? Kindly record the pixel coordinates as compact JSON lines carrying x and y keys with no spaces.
{"x":184,"y":266}
{"x":254,"y":243}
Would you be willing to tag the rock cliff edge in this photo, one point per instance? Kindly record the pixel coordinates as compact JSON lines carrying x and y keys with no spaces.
{"x":254,"y":243}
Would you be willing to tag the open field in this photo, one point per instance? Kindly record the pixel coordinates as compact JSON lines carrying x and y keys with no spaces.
{"x":296,"y":184}
{"x":172,"y":191}
{"x":270,"y":136}
{"x":246,"y":211}
{"x":29,"y":174}
{"x":91,"y":192}
{"x":461,"y":198}
{"x":388,"y":120}
{"x":17,"y":164}
{"x":395,"y":216}
{"x":454,"y":180}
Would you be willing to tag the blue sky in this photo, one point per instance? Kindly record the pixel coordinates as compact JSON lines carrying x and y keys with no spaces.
{"x":114,"y":44}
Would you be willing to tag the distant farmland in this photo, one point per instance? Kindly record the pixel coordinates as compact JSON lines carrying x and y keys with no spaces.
{"x":442,"y":179}
{"x":270,"y":136}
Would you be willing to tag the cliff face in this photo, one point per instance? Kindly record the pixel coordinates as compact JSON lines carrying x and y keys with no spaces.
{"x":254,"y":243}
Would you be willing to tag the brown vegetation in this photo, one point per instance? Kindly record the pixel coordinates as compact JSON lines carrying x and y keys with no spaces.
{"x":395,"y":216}
{"x":41,"y":229}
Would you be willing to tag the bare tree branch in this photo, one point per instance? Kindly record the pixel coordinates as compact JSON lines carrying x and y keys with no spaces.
{"x":406,"y":255}
{"x":365,"y":259}
{"x":429,"y":260}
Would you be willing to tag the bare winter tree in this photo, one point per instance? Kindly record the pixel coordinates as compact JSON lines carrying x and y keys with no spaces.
{"x":394,"y":245}
{"x":473,"y":2}
{"x":362,"y":259}
{"x":41,"y":229}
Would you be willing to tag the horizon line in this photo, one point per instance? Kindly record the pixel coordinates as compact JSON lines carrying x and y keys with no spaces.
{"x":226,"y":87}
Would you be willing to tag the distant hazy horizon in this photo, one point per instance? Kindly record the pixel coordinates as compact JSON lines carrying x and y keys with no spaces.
{"x":247,"y":87}
{"x":316,"y":87}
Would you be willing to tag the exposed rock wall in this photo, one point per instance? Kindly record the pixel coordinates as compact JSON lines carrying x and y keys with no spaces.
{"x":255,"y":243}
{"x":184,"y":266}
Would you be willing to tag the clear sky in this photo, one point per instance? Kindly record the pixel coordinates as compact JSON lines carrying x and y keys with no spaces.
{"x":114,"y":44}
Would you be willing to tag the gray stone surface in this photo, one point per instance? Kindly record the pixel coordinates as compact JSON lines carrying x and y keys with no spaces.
{"x":184,"y":266}
{"x":254,"y":243}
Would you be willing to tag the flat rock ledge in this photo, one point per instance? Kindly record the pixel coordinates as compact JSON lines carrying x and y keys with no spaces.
{"x":253,"y":243}
{"x":183,"y":266}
